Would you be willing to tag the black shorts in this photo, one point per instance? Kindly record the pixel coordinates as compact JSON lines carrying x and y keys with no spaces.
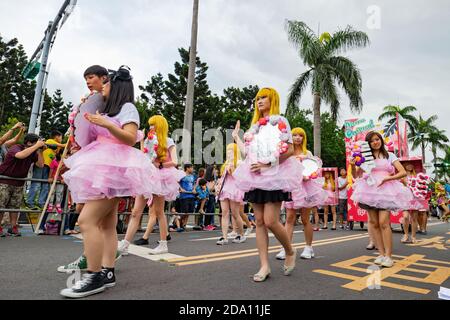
{"x":262,"y":196}
{"x":187,"y":206}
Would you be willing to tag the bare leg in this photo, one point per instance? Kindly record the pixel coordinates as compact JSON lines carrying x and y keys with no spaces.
{"x":316,"y":217}
{"x":405,"y":226}
{"x":376,"y":230}
{"x":325,"y":216}
{"x":272,"y":222}
{"x":235,"y":211}
{"x":307,"y":227}
{"x":262,"y":238}
{"x":151,"y":223}
{"x":386,"y":231}
{"x":91,"y":218}
{"x":109,"y":233}
{"x":333,"y":212}
{"x":158,"y":204}
{"x":291,"y":215}
{"x":136,"y":216}
{"x":413,"y":225}
{"x":225,"y":217}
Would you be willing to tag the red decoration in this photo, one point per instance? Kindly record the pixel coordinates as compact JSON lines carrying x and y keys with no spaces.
{"x":263,"y":121}
{"x":282,"y":126}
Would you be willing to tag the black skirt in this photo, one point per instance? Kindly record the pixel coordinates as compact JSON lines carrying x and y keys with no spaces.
{"x":262,"y":196}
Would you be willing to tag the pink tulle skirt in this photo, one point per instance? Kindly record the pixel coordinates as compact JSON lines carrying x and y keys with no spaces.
{"x":167,"y":183}
{"x":284,"y":177}
{"x":392,"y":195}
{"x":331,"y":200}
{"x":109,"y":170}
{"x":419,"y":205}
{"x":311,"y":195}
{"x":230,"y":191}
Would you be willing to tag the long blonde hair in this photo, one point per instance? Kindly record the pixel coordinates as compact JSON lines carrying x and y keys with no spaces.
{"x":162,"y":132}
{"x":302,"y":133}
{"x":236,"y":157}
{"x":331,"y":179}
{"x":274,"y":98}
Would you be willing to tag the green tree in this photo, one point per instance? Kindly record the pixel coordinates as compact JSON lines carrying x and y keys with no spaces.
{"x":326,"y":69}
{"x":443,"y":171}
{"x":437,"y":139}
{"x":333,"y":143}
{"x":54,"y":114}
{"x":421,"y":138}
{"x":16,"y":93}
{"x":237,"y":104}
{"x":390,"y":113}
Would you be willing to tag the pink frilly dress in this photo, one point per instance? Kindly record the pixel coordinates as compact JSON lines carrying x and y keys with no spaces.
{"x":309,"y":196}
{"x":284,"y":177}
{"x":331,"y":199}
{"x":107,"y":168}
{"x":231,"y":191}
{"x":167,"y":179}
{"x":392,"y":195}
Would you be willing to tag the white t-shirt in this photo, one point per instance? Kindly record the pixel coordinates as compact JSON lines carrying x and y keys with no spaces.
{"x":342,"y":193}
{"x":392,"y":158}
{"x":128,"y":114}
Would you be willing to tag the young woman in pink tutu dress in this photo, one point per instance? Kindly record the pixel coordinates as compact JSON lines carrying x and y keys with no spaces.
{"x":379,"y":193}
{"x":267,"y":182}
{"x":102,"y":172}
{"x":330,"y":187}
{"x":314,"y":197}
{"x":410,"y":216}
{"x":230,"y":196}
{"x":166,"y":185}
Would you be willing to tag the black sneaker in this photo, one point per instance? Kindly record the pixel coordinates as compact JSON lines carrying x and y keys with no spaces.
{"x":141,"y":242}
{"x":92,"y":283}
{"x":169,"y":237}
{"x":109,"y":277}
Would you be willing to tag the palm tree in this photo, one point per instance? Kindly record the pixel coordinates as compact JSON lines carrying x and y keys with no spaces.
{"x":326,"y":69}
{"x":422,"y":135}
{"x":390,"y":113}
{"x":437,"y":140}
{"x":444,"y":170}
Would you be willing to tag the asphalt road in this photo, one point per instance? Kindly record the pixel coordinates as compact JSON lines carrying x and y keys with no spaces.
{"x":201,"y":270}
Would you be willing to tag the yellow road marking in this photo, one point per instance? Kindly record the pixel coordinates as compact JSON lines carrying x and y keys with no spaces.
{"x":382,"y":283}
{"x":436,"y":277}
{"x":255,"y":253}
{"x":222,"y":254}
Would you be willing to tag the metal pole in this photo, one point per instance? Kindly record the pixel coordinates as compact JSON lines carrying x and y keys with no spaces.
{"x":189,"y":112}
{"x":49,"y":37}
{"x":40,"y":83}
{"x":38,"y":125}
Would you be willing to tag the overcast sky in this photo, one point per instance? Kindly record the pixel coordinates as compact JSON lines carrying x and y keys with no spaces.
{"x":244,"y":43}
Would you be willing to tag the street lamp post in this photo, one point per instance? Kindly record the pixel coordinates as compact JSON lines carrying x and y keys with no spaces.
{"x":189,"y":111}
{"x":44,"y":48}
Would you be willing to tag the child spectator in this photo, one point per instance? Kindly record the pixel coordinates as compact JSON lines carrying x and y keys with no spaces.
{"x":202,"y":196}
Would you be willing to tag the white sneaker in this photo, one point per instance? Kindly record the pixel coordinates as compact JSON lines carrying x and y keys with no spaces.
{"x":123,"y":247}
{"x":308,"y":253}
{"x":240,"y":239}
{"x":232,"y":235}
{"x":222,"y":241}
{"x":248,"y":231}
{"x":41,"y":232}
{"x":281,"y":255}
{"x":160,"y":249}
{"x":379,"y":261}
{"x":387,"y":262}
